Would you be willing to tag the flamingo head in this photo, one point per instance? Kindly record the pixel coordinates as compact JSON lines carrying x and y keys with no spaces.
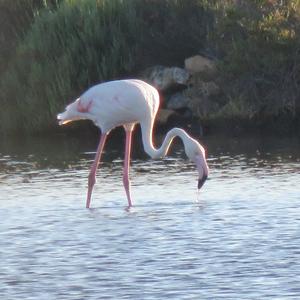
{"x":196,"y":153}
{"x":70,"y":114}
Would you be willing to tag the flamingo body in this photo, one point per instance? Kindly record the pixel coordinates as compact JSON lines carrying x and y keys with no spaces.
{"x":126,"y":103}
{"x":114,"y":103}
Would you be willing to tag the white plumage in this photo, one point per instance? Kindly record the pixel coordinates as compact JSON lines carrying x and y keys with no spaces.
{"x":126,"y":103}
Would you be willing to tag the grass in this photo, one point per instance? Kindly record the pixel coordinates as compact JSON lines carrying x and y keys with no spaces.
{"x":53,"y":50}
{"x":65,"y":51}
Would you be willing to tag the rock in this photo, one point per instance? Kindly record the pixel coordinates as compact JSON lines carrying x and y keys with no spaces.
{"x":163,"y":115}
{"x":207,"y":88}
{"x":164,"y":78}
{"x":177,"y":101}
{"x":210,"y":88}
{"x":200,"y":64}
{"x":192,"y":95}
{"x":200,"y":102}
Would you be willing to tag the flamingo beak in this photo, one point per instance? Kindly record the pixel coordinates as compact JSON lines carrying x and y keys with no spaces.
{"x":201,"y":181}
{"x":202,"y":170}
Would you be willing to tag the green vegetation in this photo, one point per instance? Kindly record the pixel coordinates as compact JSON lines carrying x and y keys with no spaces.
{"x":260,"y":61}
{"x":64,"y":51}
{"x":51,"y":51}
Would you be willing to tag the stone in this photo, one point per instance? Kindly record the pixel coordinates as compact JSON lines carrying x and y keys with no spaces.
{"x":200,"y":64}
{"x":164,"y":78}
{"x":200,"y":103}
{"x":177,"y":101}
{"x":203,"y":90}
{"x":210,"y":88}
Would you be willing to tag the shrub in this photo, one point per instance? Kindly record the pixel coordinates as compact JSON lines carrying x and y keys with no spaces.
{"x":76,"y":43}
{"x":65,"y":51}
{"x":57,"y":48}
{"x":260,"y":57}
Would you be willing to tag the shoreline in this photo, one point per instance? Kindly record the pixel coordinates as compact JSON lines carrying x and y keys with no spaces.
{"x":222,"y":126}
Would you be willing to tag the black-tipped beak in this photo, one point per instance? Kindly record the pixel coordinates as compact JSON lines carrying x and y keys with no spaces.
{"x":201,"y":181}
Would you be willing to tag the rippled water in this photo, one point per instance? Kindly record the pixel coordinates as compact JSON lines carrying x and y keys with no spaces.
{"x":238,"y":239}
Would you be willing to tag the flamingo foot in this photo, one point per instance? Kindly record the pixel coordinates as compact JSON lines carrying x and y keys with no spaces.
{"x":127,"y":208}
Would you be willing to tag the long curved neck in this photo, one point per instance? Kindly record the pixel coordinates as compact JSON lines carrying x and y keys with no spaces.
{"x":160,"y":152}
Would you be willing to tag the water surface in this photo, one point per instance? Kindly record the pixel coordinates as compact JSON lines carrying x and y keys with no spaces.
{"x":239,"y":238}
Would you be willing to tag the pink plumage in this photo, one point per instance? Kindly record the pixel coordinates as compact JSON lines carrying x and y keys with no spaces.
{"x":127,"y":103}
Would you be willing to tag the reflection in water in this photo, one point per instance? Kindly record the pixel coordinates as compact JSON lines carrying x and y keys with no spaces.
{"x":238,"y":239}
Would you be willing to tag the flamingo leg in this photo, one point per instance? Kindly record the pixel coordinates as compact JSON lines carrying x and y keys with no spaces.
{"x":92,"y":175}
{"x":126,"y":180}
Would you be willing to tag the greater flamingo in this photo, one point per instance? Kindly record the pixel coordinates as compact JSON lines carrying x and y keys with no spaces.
{"x":126,"y":103}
